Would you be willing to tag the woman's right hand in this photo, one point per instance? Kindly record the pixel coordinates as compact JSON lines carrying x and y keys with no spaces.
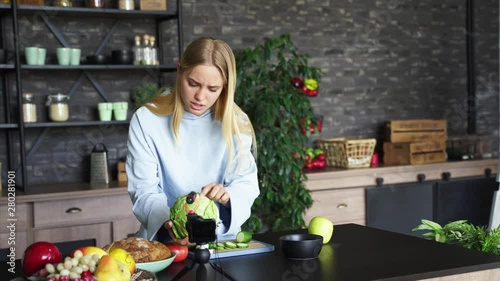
{"x":182,"y":241}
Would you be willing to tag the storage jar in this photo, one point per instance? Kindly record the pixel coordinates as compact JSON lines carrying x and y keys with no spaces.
{"x":58,"y":107}
{"x":29,"y":108}
{"x":126,"y":4}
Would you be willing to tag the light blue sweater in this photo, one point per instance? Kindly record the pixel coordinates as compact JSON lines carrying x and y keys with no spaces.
{"x":159,"y":170}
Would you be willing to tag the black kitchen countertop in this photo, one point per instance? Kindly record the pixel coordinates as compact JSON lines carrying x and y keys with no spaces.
{"x":355,"y":253}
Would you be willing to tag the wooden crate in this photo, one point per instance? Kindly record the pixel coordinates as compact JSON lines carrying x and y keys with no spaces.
{"x":153,"y":5}
{"x":122,"y":175}
{"x":414,"y":153}
{"x":422,"y":130}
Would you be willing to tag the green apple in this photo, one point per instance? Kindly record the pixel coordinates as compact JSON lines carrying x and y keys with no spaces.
{"x":321,"y":226}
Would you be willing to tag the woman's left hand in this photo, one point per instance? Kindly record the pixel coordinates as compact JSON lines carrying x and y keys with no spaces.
{"x":182,"y":241}
{"x":216,"y":192}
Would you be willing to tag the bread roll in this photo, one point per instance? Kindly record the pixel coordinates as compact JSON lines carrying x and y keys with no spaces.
{"x":141,"y":249}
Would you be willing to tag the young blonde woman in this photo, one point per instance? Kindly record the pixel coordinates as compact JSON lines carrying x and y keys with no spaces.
{"x":193,"y":138}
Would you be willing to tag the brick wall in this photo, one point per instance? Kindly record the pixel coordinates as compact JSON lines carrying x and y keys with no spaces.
{"x":381,"y":60}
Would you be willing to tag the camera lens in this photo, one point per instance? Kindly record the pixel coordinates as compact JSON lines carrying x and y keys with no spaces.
{"x":191,"y":197}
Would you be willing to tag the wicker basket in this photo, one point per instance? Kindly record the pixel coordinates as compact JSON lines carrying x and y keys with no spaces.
{"x":347,"y":153}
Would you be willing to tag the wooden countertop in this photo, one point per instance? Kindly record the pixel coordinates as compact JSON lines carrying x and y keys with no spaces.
{"x":329,"y":178}
{"x":66,"y":191}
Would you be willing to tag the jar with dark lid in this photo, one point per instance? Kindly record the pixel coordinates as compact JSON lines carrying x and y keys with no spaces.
{"x":95,"y":3}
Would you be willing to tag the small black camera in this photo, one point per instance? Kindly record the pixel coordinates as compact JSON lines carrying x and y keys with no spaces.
{"x":200,"y":230}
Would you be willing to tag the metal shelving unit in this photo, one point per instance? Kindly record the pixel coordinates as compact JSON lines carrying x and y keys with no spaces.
{"x":13,"y":127}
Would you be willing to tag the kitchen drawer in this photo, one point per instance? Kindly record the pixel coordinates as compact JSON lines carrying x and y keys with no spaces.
{"x":21,"y":213}
{"x":81,"y":210}
{"x":101,"y":232}
{"x":339,"y":205}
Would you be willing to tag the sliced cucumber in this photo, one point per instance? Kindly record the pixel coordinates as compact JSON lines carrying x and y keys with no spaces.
{"x":243,"y":237}
{"x":220,"y":244}
{"x":242,"y":245}
{"x":230,"y":245}
{"x":220,"y":248}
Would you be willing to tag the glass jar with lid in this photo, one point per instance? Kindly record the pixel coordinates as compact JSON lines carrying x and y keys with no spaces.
{"x":58,"y":107}
{"x":29,"y":108}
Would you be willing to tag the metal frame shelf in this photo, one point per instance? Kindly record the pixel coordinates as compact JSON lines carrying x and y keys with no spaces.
{"x":46,"y":14}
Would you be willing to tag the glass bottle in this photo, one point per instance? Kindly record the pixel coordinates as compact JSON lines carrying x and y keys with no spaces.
{"x":154,"y":51}
{"x":29,"y":108}
{"x":146,"y":54}
{"x":58,"y":107}
{"x":95,"y":3}
{"x":137,"y":50}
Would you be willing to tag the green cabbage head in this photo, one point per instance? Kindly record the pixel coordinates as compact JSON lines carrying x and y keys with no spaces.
{"x":202,"y":206}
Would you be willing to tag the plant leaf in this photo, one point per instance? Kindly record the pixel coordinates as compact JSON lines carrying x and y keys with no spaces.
{"x":433,"y":225}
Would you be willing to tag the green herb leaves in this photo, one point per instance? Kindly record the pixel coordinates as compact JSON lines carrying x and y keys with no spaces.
{"x":464,"y":234}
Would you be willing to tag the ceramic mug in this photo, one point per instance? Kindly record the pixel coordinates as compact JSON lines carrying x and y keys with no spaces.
{"x":64,"y":56}
{"x":31,"y":54}
{"x":105,"y":110}
{"x":42,"y":53}
{"x":120,"y":110}
{"x":75,"y":56}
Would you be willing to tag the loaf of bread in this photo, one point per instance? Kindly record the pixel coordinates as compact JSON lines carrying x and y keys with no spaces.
{"x":141,"y":249}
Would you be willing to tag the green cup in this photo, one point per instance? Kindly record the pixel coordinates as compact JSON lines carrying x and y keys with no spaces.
{"x":105,"y":111}
{"x":63,"y":56}
{"x":42,"y":53}
{"x":120,"y":110}
{"x":31,"y":54}
{"x":75,"y":56}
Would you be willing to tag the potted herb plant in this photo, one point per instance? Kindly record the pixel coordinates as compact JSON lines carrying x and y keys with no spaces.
{"x":278,"y":110}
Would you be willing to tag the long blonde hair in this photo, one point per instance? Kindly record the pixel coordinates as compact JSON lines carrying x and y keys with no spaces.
{"x":209,"y":51}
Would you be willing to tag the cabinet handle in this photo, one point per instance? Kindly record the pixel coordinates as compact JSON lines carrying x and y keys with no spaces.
{"x":487,"y":172}
{"x":341,"y":206}
{"x":73,"y":210}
